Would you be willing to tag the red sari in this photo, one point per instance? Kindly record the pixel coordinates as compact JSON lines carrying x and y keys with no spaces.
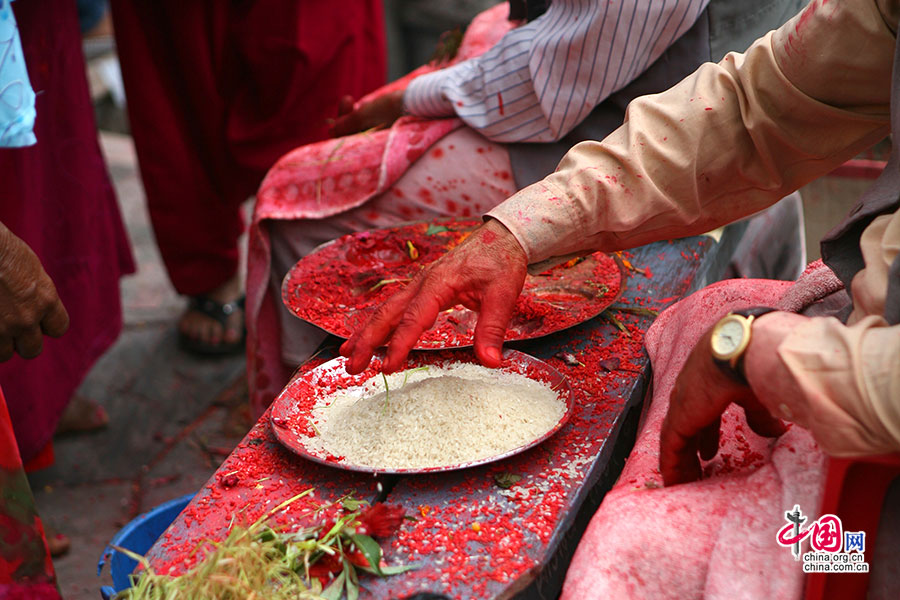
{"x":217,"y":91}
{"x":57,"y":197}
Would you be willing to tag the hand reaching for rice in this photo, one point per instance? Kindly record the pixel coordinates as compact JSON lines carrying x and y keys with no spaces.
{"x":485,"y":273}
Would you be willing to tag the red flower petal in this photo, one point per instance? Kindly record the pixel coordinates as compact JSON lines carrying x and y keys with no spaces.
{"x":330,"y":563}
{"x":357,"y":559}
{"x":382,"y":520}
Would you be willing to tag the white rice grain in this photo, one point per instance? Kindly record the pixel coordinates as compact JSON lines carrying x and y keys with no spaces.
{"x":438,"y":416}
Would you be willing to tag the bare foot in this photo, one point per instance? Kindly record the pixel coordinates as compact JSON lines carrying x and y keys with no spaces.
{"x":208,"y":331}
{"x":57,"y":543}
{"x":82,"y":414}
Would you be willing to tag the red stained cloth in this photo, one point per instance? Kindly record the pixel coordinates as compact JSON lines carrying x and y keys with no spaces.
{"x":716,"y":537}
{"x":44,"y":459}
{"x":25,"y":567}
{"x":57,"y":197}
{"x":217,"y":91}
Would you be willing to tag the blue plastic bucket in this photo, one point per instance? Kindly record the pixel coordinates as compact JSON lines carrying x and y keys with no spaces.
{"x":138,"y":536}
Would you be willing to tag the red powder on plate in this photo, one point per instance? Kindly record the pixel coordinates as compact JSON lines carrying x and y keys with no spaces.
{"x":337,"y":287}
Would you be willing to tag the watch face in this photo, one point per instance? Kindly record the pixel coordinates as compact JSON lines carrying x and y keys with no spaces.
{"x":727,"y":338}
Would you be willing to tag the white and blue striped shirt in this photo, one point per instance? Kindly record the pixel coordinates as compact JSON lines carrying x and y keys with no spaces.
{"x":543,"y":78}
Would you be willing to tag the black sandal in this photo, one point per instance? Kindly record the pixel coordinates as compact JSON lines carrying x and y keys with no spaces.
{"x":221,"y":313}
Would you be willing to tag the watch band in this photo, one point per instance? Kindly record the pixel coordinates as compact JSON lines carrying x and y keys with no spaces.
{"x":754,"y":311}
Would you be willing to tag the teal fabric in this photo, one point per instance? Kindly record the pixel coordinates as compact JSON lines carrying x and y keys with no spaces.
{"x":16,"y":96}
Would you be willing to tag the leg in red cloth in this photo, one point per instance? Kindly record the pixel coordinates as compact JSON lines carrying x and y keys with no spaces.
{"x":58,"y":199}
{"x":217,"y":91}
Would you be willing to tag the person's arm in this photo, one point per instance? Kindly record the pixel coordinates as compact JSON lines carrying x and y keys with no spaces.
{"x":543,"y":78}
{"x":729,"y":140}
{"x":841,"y":382}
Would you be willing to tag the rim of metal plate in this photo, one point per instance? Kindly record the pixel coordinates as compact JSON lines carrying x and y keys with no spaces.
{"x":284,"y":410}
{"x":441,"y":345}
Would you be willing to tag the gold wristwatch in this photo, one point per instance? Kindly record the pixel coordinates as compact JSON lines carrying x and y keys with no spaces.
{"x":731,"y":336}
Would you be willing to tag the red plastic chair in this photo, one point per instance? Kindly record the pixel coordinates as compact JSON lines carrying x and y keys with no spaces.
{"x":854,"y":491}
{"x":859,"y":168}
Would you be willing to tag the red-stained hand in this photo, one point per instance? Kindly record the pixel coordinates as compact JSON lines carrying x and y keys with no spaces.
{"x":701,"y":394}
{"x":484,"y":273}
{"x":29,"y":305}
{"x":380,"y":112}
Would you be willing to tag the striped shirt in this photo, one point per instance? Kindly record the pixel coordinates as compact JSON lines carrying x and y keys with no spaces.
{"x":543,"y":78}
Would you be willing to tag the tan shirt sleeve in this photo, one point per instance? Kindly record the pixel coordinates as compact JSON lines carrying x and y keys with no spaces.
{"x":734,"y":138}
{"x":842,"y":382}
{"x":729,"y":140}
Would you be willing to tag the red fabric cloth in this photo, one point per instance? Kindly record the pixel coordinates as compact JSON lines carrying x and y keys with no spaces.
{"x":44,"y":459}
{"x":26,"y":570}
{"x":716,"y":537}
{"x":57,"y":197}
{"x":217,"y":91}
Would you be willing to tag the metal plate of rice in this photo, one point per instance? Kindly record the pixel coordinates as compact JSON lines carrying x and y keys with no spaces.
{"x":443,"y":412}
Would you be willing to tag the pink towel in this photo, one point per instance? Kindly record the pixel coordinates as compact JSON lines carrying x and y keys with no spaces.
{"x":330,"y":177}
{"x":815,"y":283}
{"x":714,"y":538}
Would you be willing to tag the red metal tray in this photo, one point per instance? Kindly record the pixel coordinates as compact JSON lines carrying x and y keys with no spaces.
{"x":339,"y":285}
